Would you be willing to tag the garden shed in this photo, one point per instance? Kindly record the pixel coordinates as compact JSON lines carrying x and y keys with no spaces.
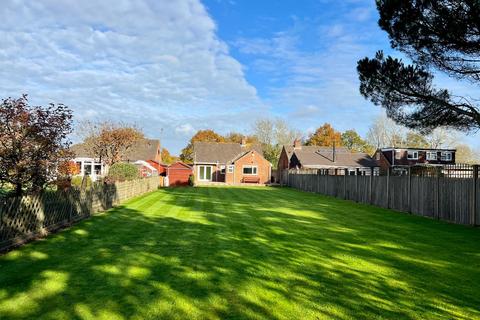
{"x":178,"y":174}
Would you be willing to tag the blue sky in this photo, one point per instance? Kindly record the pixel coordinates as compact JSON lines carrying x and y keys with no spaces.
{"x":173,"y":67}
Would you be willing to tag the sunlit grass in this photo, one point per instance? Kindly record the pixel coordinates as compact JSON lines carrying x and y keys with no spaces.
{"x":246,"y":253}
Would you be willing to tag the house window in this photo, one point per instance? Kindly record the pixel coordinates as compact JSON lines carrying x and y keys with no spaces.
{"x":222,"y":169}
{"x":230,"y":169}
{"x":412,"y":155}
{"x":446,"y":156}
{"x":398,"y":154}
{"x":205,"y":173}
{"x":250,"y":170}
{"x":87,"y":168}
{"x":431,"y":155}
{"x":378,"y":156}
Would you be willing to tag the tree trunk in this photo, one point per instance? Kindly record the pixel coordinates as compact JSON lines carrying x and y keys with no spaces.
{"x":18,"y":189}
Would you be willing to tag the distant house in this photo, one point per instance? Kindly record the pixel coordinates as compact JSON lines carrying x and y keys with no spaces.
{"x":231,"y":163}
{"x":339,"y":160}
{"x":399,"y":159}
{"x":161,"y":167}
{"x":140,"y":154}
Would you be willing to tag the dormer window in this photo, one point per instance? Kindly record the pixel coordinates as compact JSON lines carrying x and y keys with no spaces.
{"x":398,"y":154}
{"x":446,"y":156}
{"x":412,"y":155}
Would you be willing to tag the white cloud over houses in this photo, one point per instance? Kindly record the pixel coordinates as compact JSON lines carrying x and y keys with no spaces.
{"x":156,"y":63}
{"x":185,"y":129}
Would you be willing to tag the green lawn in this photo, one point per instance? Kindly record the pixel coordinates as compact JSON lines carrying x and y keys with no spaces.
{"x":246,"y":253}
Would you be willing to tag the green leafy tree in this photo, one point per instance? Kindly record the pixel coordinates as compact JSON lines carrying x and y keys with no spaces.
{"x":442,"y":35}
{"x":352,"y":141}
{"x":201,"y":136}
{"x":325,"y":136}
{"x":416,"y":140}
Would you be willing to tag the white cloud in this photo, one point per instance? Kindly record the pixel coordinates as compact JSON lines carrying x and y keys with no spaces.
{"x":150,"y":62}
{"x":185,"y":129}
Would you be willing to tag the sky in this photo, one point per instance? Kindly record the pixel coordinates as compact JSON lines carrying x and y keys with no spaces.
{"x":174,"y":67}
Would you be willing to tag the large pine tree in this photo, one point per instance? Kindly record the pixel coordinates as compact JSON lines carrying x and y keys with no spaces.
{"x":441,"y":35}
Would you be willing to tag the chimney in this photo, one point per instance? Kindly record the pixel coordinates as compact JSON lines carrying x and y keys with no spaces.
{"x":297,"y":144}
{"x":334,"y":152}
{"x":244,"y":141}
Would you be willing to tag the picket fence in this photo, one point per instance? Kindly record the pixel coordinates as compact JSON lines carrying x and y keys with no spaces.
{"x":456,"y":200}
{"x":28,"y":217}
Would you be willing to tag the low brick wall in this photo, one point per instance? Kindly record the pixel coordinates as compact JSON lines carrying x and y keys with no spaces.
{"x":25,"y":218}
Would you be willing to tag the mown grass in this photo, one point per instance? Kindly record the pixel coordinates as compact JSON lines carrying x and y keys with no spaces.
{"x":246,"y":253}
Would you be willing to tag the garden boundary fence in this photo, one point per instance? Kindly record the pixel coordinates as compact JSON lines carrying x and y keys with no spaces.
{"x":445,"y":196}
{"x":31,"y":216}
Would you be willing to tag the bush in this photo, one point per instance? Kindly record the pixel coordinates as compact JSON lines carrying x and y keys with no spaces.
{"x":122,"y":171}
{"x":63,"y":183}
{"x":77,"y":182}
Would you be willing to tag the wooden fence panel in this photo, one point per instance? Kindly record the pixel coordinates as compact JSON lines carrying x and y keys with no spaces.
{"x":455,"y":199}
{"x":477,"y":215}
{"x":424,"y":196}
{"x":379,"y":191}
{"x":445,"y":198}
{"x":399,"y":193}
{"x":24,"y":218}
{"x":363,"y":189}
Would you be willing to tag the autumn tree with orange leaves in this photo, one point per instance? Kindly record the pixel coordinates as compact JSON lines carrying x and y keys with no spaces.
{"x":110,"y":141}
{"x":201,"y":136}
{"x":325,"y":136}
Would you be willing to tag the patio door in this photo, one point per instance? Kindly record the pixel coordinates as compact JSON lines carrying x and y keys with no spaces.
{"x":205,"y":173}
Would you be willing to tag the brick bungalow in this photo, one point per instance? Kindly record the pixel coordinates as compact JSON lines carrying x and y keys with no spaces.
{"x":230,"y":163}
{"x":339,"y":160}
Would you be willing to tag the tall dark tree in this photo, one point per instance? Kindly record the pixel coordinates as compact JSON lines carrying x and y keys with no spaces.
{"x":33,"y":142}
{"x":442,"y":35}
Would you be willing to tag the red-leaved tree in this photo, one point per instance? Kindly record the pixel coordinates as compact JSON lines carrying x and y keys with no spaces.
{"x":33,"y":141}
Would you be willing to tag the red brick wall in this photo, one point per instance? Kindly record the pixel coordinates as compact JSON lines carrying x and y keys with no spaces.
{"x":382,"y":161}
{"x":251,"y":158}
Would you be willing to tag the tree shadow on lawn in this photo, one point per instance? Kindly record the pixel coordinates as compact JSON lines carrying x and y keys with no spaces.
{"x":213,"y":253}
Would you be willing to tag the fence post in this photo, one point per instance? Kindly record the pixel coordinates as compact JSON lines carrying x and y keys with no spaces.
{"x":409,"y":189}
{"x":357,"y":198}
{"x":388,"y":188}
{"x":474,"y":197}
{"x":370,"y":182}
{"x":437,"y":194}
{"x":345,"y":184}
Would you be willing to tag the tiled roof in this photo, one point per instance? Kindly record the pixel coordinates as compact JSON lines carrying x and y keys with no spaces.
{"x":145,"y":149}
{"x":213,"y":152}
{"x":314,"y":156}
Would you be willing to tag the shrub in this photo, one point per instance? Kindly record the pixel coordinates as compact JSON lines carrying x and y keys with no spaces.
{"x":77,"y":182}
{"x":122,"y":171}
{"x":63,"y":183}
